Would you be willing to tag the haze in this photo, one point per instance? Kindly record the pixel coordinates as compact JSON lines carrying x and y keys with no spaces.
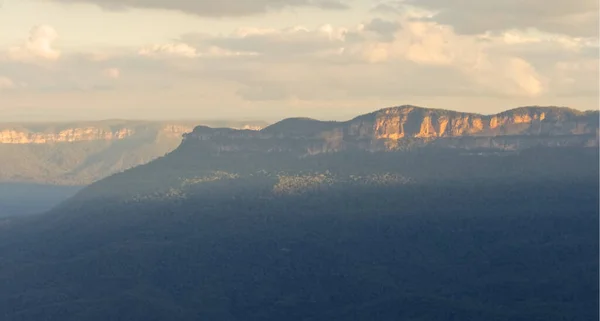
{"x":329,"y":59}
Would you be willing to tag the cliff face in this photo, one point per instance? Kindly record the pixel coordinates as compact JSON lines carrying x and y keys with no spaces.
{"x":401,"y":122}
{"x":81,"y":153}
{"x":98,"y":131}
{"x":409,"y":126}
{"x":11,"y":136}
{"x":447,"y":146}
{"x":414,"y":122}
{"x":93,"y":132}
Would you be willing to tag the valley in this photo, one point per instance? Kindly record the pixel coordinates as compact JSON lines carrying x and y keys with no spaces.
{"x":27,"y":199}
{"x":83,"y":152}
{"x":308,"y":220}
{"x":45,"y":163}
{"x":299,"y":160}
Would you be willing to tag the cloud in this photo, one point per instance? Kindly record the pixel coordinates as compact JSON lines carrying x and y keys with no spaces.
{"x":274,"y":43}
{"x":510,"y":76}
{"x":578,"y":18}
{"x":332,"y":62}
{"x":212,"y":8}
{"x":380,"y":59}
{"x":183,"y":50}
{"x":112,"y":73}
{"x":265,"y":91}
{"x":575,"y":77}
{"x":385,"y":28}
{"x":172,"y":50}
{"x":6,"y":83}
{"x":37,"y":47}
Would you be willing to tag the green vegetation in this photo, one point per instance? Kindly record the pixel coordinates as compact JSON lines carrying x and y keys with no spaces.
{"x":84,"y":162}
{"x":240,"y":227}
{"x":448,"y":251}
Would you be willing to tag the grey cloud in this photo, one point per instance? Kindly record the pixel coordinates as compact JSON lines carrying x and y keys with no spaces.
{"x":390,"y":7}
{"x":587,"y":93}
{"x":575,"y":17}
{"x":329,"y":82}
{"x":76,"y":72}
{"x":32,"y":75}
{"x":286,"y":44}
{"x":215,"y":8}
{"x":544,"y":54}
{"x":288,"y":69}
{"x":386,"y":29}
{"x":263,"y":92}
{"x":590,"y":52}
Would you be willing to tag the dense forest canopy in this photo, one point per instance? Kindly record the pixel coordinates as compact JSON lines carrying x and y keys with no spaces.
{"x":244,"y":226}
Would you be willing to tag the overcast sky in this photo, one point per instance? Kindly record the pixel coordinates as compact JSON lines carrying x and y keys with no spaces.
{"x":269,"y":59}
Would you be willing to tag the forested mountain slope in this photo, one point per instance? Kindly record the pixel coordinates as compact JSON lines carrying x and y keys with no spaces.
{"x":82,"y":152}
{"x":296,"y":223}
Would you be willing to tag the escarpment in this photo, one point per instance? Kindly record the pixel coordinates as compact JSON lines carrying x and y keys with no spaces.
{"x":92,"y":132}
{"x":396,"y":145}
{"x":101,"y":131}
{"x":405,"y":127}
{"x":79,"y":153}
{"x":11,"y":136}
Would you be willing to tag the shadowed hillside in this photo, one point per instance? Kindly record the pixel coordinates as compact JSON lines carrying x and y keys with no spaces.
{"x":455,"y":250}
{"x":304,"y":225}
{"x":83,"y":152}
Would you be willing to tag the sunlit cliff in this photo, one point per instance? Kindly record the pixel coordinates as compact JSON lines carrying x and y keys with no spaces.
{"x":405,"y":127}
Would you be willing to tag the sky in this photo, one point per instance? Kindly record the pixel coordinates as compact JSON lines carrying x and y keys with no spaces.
{"x":270,"y":59}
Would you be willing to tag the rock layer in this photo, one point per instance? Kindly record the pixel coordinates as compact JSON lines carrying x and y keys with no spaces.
{"x":97,"y":131}
{"x":408,"y":126}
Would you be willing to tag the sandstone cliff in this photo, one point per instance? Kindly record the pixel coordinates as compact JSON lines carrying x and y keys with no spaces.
{"x":404,"y":127}
{"x":100,"y":131}
{"x":12,"y":136}
{"x":83,"y":152}
{"x":440,"y":145}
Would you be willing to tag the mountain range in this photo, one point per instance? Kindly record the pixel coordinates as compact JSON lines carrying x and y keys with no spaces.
{"x":405,"y":127}
{"x":402,"y":214}
{"x":80,"y":153}
{"x":84,"y":152}
{"x":404,"y":143}
{"x":37,"y":157}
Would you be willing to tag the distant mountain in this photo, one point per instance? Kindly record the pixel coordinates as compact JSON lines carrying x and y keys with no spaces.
{"x":82,"y":152}
{"x":405,"y":127}
{"x":402,"y":214}
{"x":396,"y":145}
{"x":27,"y":199}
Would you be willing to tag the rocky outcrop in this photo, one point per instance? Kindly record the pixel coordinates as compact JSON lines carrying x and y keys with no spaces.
{"x":97,"y":131}
{"x":301,"y":155}
{"x":409,"y":121}
{"x":12,"y":136}
{"x":405,"y":127}
{"x":83,"y":152}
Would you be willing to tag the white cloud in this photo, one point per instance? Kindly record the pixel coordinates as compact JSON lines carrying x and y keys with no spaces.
{"x":253,"y":31}
{"x":283,"y":43}
{"x":379,"y":59}
{"x":532,"y":37}
{"x":183,"y":50}
{"x":112,"y":73}
{"x":6,"y":83}
{"x":169,"y":50}
{"x":37,"y":47}
{"x":302,"y":63}
{"x":510,"y":76}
